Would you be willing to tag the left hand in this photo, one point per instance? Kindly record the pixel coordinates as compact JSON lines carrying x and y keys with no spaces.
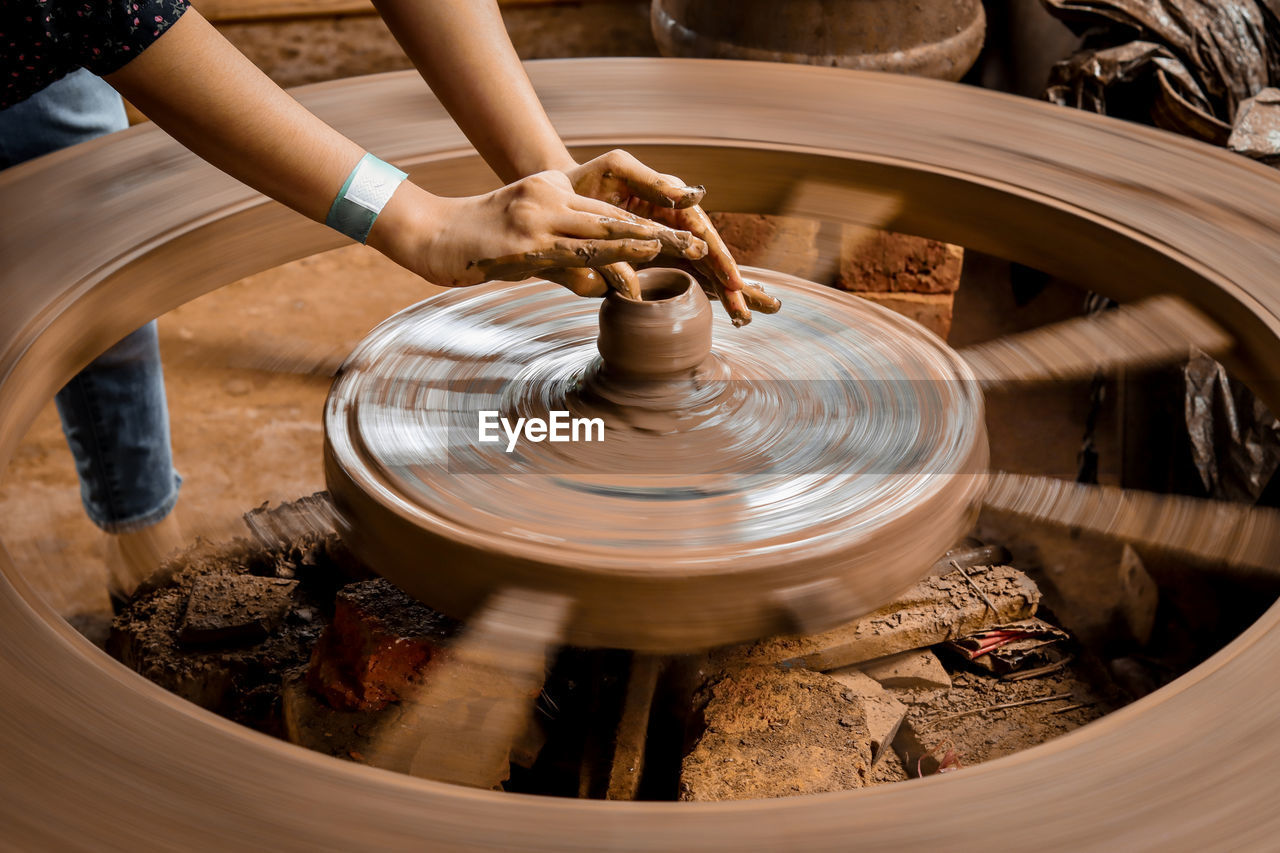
{"x":620,"y":179}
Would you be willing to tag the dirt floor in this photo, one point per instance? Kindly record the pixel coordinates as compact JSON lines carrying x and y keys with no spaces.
{"x":241,"y":434}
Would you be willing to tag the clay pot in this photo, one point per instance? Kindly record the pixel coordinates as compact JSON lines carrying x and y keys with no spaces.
{"x":926,"y":38}
{"x":666,"y":334}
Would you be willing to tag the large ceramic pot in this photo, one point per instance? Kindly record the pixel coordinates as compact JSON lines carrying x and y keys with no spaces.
{"x":927,"y":38}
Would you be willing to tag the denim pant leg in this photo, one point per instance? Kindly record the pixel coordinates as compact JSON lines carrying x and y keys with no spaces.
{"x":113,"y":412}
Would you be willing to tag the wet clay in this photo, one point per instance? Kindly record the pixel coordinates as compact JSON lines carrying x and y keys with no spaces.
{"x":761,"y":468}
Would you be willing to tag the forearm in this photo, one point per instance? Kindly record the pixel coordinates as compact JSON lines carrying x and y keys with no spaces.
{"x":462,"y":50}
{"x":208,"y":96}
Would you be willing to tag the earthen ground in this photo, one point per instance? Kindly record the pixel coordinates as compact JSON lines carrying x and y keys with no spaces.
{"x":241,"y":436}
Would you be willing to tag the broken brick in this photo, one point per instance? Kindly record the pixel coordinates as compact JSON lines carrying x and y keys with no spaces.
{"x":915,"y":670}
{"x":888,"y":262}
{"x":883,"y":712}
{"x":784,"y":243}
{"x":938,"y":608}
{"x":224,"y":608}
{"x":931,"y":310}
{"x":378,"y":647}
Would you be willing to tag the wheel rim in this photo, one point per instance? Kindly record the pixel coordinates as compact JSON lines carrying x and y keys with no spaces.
{"x":92,"y":751}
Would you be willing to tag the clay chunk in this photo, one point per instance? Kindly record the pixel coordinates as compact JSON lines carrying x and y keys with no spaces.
{"x":234,"y":608}
{"x":774,"y":732}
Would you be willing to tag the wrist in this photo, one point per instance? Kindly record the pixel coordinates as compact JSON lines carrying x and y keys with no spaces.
{"x":405,"y":223}
{"x":369,"y":186}
{"x":556,"y":159}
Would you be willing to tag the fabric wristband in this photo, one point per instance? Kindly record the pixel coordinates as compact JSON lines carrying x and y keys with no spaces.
{"x":362,"y":197}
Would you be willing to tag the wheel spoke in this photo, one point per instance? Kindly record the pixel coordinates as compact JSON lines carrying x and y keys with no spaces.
{"x":462,"y":724}
{"x":1236,"y":534}
{"x":1153,"y":331}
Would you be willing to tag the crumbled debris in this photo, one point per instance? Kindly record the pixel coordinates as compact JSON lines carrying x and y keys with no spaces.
{"x":771,"y":732}
{"x":983,"y":717}
{"x":239,"y":675}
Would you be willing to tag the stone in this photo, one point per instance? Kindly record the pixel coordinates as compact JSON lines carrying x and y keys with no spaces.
{"x":883,"y":712}
{"x":229,"y":608}
{"x":378,"y":648}
{"x":936,"y":609}
{"x":772,"y":732}
{"x":887,"y":262}
{"x":915,"y":670}
{"x":931,"y":310}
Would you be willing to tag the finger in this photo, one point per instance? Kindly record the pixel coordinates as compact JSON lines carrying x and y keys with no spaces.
{"x":652,"y":186}
{"x":758,"y":300}
{"x":736,"y":305}
{"x":730,"y":297}
{"x":601,"y":220}
{"x":732,"y":300}
{"x":622,"y":278}
{"x":567,"y":253}
{"x":582,"y":281}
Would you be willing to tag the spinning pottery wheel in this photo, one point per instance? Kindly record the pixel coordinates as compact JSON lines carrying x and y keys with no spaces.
{"x":796,"y":474}
{"x":92,"y":754}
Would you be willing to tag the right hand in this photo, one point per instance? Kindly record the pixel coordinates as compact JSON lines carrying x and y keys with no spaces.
{"x":532,"y":225}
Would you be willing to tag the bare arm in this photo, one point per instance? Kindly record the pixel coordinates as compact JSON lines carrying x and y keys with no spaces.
{"x":462,"y":50}
{"x":229,"y":113}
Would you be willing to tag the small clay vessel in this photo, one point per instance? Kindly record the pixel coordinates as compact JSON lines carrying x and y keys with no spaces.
{"x":664,"y":335}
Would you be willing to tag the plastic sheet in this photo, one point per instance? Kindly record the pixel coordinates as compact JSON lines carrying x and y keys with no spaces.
{"x":1201,"y":68}
{"x":1235,"y":441}
{"x":1184,"y":65}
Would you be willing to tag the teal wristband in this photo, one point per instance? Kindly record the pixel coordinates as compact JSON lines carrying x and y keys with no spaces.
{"x":362,"y":197}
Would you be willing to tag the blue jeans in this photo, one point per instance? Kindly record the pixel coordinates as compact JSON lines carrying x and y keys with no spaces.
{"x":113,"y":412}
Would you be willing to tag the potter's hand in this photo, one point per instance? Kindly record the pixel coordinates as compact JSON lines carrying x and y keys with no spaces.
{"x":620,"y":179}
{"x":535,"y":224}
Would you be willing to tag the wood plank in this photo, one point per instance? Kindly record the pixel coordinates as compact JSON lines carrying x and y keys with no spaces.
{"x":628,"y":751}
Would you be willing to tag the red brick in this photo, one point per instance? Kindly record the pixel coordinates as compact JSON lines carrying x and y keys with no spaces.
{"x":931,"y":310}
{"x":784,"y":243}
{"x":887,"y":262}
{"x":378,"y":647}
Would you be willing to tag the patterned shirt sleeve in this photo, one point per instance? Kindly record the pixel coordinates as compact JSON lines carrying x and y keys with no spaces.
{"x":104,"y":35}
{"x":43,"y":40}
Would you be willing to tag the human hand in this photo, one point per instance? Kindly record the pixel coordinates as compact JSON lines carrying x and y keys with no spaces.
{"x":534,"y":225}
{"x":620,"y":179}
